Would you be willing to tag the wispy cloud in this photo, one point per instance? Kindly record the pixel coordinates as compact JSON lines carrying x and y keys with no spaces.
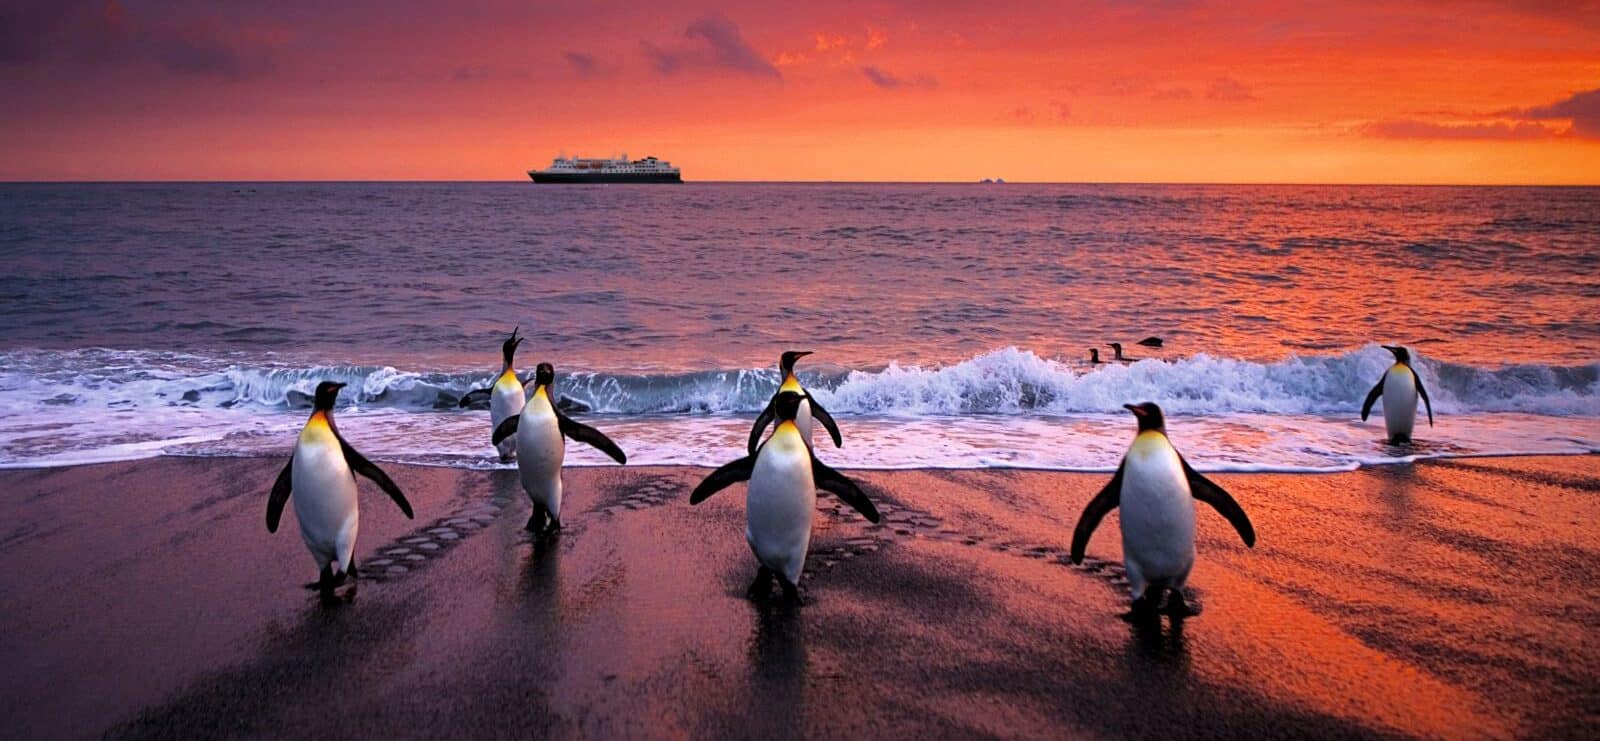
{"x":889,"y":81}
{"x":1229,"y":89}
{"x":717,"y":44}
{"x":586,"y":65}
{"x":1413,"y":129}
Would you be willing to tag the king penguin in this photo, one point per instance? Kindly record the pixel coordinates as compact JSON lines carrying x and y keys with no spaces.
{"x":540,"y":448}
{"x":1400,"y":386}
{"x":506,"y":396}
{"x":784,"y":476}
{"x":1154,"y":486}
{"x":321,"y":475}
{"x":809,"y":408}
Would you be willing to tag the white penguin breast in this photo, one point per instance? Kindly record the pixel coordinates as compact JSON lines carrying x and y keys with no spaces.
{"x":782,"y":496}
{"x":540,"y":448}
{"x":1157,"y":508}
{"x":505,"y":399}
{"x":322,"y":486}
{"x":1399,"y":395}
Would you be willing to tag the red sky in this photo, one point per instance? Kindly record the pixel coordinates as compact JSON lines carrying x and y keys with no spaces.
{"x":1426,"y":92}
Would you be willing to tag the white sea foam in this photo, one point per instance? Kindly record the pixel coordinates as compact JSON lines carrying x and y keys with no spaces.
{"x":1007,"y":408}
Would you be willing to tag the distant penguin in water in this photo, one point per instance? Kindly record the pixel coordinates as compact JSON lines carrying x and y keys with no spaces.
{"x":1400,"y":386}
{"x":321,"y":475}
{"x":809,"y":408}
{"x":539,"y":429}
{"x":1094,"y":357}
{"x":1116,"y":349}
{"x":506,"y":396}
{"x":1151,"y":342}
{"x":784,"y":476}
{"x":1156,"y":489}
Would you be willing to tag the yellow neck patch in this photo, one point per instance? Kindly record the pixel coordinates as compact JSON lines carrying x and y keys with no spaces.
{"x":317,"y":428}
{"x":507,"y":378}
{"x":790,"y":383}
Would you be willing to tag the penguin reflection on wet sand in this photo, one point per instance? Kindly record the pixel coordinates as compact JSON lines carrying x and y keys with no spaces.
{"x":539,"y":431}
{"x":505,"y":396}
{"x":784,"y":476}
{"x":1400,"y":386}
{"x":1156,"y":489}
{"x":321,"y":475}
{"x":809,"y":408}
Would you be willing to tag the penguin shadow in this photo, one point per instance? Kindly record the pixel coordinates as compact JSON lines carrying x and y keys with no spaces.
{"x":779,"y":665}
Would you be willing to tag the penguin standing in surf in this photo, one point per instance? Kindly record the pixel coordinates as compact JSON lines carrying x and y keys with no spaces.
{"x":539,"y":429}
{"x":1400,"y":386}
{"x":809,"y":408}
{"x":506,"y":396}
{"x":1156,"y":489}
{"x":321,"y":475}
{"x":784,"y":476}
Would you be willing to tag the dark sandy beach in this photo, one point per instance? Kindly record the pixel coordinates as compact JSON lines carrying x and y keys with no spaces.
{"x":1446,"y":599}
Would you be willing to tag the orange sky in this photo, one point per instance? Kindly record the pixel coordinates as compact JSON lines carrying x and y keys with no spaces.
{"x":1443,"y":92}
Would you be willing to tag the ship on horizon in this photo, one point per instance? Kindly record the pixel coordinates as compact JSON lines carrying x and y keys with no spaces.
{"x":619,"y":170}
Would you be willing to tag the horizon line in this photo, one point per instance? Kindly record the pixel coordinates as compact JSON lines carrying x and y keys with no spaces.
{"x":419,"y":181}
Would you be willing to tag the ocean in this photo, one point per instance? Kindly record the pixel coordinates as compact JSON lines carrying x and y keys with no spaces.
{"x":950,"y":323}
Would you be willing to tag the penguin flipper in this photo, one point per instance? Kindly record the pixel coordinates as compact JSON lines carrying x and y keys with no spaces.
{"x":507,"y":428}
{"x":589,"y":436}
{"x":841,"y":486}
{"x":822,"y":415}
{"x":280,"y":495}
{"x":1207,"y":491}
{"x":1422,"y":392}
{"x":361,"y":465}
{"x":475,"y":396}
{"x":1102,"y":503}
{"x":766,"y":417}
{"x":723,"y":478}
{"x":1372,"y":396}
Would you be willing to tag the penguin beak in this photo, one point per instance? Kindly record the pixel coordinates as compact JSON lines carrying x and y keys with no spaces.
{"x":338,"y":386}
{"x":1137,"y":412}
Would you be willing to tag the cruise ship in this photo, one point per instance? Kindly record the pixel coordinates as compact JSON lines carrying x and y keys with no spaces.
{"x":619,"y":170}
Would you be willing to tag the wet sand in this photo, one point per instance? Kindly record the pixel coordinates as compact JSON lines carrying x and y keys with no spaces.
{"x":1444,"y":599}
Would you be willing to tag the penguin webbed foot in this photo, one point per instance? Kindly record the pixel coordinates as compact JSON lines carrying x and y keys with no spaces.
{"x":1146,"y":608}
{"x":761,"y":586}
{"x":791,"y":593}
{"x":1179,"y":608}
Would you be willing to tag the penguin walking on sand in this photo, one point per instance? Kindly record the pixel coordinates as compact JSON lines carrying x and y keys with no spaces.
{"x":539,"y":430}
{"x":784,"y":476}
{"x":1156,"y":489}
{"x":321,"y":475}
{"x":505,"y":396}
{"x":1400,"y":386}
{"x":809,"y":408}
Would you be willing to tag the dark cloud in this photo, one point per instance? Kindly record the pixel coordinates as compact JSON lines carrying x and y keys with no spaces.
{"x":1582,"y":108}
{"x":1229,"y":89}
{"x":202,"y":53}
{"x":1412,"y":129}
{"x":585,"y":64}
{"x":889,"y":81}
{"x":716,"y":44}
{"x":103,"y":36}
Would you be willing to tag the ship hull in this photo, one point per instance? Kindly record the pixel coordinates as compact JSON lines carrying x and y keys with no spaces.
{"x":615,"y":177}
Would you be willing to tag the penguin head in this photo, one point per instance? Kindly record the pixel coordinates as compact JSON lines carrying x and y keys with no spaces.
{"x":1149,"y":416}
{"x":509,"y":347}
{"x":1401,"y":355}
{"x":1094,"y":355}
{"x":544,"y":375}
{"x":786,"y":405}
{"x":786,"y":363}
{"x":327,"y":393}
